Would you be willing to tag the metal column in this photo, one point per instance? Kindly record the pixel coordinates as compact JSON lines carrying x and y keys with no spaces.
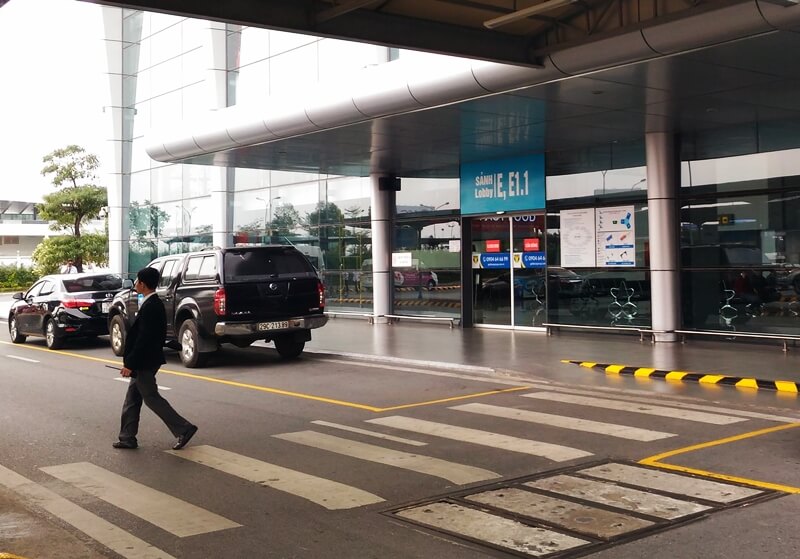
{"x":662,"y":187}
{"x":382,"y":214}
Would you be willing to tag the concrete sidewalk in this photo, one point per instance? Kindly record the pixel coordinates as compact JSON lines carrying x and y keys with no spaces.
{"x":537,"y":355}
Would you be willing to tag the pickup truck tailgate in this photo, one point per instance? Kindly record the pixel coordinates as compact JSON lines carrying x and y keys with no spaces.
{"x":272,"y":299}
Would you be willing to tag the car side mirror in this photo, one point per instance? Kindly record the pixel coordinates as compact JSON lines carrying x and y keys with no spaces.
{"x":127,"y":284}
{"x":18,"y":296}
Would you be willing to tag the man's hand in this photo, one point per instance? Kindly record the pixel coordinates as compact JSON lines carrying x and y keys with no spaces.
{"x":125,"y":372}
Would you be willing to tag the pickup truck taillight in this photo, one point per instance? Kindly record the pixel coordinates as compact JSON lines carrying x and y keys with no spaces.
{"x":321,"y":291}
{"x":219,"y":302}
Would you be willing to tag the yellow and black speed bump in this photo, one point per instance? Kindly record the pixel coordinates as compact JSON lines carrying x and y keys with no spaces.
{"x":702,"y":378}
{"x":9,"y":556}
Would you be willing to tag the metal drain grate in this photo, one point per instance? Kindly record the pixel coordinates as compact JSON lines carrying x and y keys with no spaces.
{"x":577,"y":510}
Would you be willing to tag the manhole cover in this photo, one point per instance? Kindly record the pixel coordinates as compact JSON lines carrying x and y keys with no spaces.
{"x":577,"y":510}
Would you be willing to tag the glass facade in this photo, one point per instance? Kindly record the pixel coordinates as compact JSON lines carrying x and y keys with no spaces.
{"x":738,"y":204}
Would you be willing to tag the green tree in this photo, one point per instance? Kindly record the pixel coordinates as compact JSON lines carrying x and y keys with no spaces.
{"x":285,"y":220}
{"x":324,"y":222}
{"x":50,"y":253}
{"x":146,"y":223}
{"x":76,"y":202}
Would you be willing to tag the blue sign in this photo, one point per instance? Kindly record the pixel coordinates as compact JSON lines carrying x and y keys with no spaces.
{"x":503,"y":185}
{"x":491,"y":260}
{"x":534,"y":259}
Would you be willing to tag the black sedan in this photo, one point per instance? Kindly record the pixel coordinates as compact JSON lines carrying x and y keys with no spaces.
{"x":64,"y":306}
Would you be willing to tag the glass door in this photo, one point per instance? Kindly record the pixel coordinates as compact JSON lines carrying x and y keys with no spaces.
{"x":508,"y":270}
{"x":528,"y":262}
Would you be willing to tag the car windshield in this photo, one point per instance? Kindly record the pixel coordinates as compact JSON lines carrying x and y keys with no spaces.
{"x":248,"y":265}
{"x":93,"y":283}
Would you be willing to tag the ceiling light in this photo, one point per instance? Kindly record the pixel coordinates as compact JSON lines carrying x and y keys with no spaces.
{"x":527,"y":12}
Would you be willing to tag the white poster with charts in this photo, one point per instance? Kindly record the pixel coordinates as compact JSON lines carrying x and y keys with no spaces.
{"x":616,"y":236}
{"x":577,"y":238}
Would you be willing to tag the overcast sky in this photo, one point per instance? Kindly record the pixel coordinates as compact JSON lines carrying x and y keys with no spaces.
{"x":54,"y":88}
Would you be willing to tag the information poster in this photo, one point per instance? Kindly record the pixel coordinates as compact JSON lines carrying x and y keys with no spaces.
{"x":578,"y":247}
{"x":616,"y":236}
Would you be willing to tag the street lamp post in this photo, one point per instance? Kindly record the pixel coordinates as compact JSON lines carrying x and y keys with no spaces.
{"x":268,"y":214}
{"x":266,"y":209}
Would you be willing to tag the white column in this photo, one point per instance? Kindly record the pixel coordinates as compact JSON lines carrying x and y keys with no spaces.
{"x":117,"y":152}
{"x":662,"y":187}
{"x":222,"y":202}
{"x":382,"y":202}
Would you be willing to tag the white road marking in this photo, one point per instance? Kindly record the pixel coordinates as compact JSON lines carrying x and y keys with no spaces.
{"x":368,"y":433}
{"x":713,"y":491}
{"x":22,"y":358}
{"x":114,"y":538}
{"x":490,"y":528}
{"x":329,"y":494}
{"x":629,"y":394}
{"x":617,"y":496}
{"x":619,"y":405}
{"x":564,"y":422}
{"x":685,"y":405}
{"x":553,"y":452}
{"x":168,"y":513}
{"x":125,"y":379}
{"x":451,"y":471}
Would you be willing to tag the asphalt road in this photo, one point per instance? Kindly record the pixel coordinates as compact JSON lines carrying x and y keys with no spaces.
{"x":315,"y":457}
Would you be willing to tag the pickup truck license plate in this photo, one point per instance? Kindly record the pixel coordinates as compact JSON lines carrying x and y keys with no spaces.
{"x":279,"y":325}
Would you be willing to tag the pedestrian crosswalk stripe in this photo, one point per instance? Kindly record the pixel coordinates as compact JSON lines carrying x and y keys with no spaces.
{"x":368,"y":433}
{"x":493,"y":529}
{"x":619,"y":497}
{"x":577,"y":517}
{"x":168,"y":513}
{"x":553,"y":452}
{"x":114,"y":538}
{"x":564,"y":422}
{"x":685,"y":405}
{"x":330,"y":494}
{"x":619,"y":405}
{"x":672,"y":483}
{"x":451,"y":471}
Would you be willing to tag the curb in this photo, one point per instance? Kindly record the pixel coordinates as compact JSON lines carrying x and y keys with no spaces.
{"x":702,"y":378}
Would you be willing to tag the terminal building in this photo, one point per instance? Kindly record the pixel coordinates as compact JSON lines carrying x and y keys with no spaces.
{"x":613,"y":170}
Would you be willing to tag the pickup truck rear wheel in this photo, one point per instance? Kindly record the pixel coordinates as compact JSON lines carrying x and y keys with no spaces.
{"x":289,"y":347}
{"x":189,"y":338}
{"x":118,"y":334}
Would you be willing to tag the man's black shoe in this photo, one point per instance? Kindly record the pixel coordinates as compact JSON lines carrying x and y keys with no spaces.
{"x":184,"y":439}
{"x":126,"y":444}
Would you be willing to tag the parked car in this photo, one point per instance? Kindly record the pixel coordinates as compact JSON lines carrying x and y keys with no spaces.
{"x":417,"y":275}
{"x":59,"y":307}
{"x":561,"y":282}
{"x":232,"y":295}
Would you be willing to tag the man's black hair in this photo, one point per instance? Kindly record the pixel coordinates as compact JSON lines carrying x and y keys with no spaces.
{"x":149,"y":277}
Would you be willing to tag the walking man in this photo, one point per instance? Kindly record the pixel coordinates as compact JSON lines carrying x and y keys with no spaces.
{"x":144,"y":355}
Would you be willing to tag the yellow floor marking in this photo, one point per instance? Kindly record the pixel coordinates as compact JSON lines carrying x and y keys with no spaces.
{"x":279,"y":391}
{"x":655,"y":460}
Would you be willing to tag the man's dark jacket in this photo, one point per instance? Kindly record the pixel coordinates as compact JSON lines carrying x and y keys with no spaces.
{"x":144,"y":346}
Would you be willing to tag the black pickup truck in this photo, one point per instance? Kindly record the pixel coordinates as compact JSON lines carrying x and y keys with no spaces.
{"x":230,"y":295}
